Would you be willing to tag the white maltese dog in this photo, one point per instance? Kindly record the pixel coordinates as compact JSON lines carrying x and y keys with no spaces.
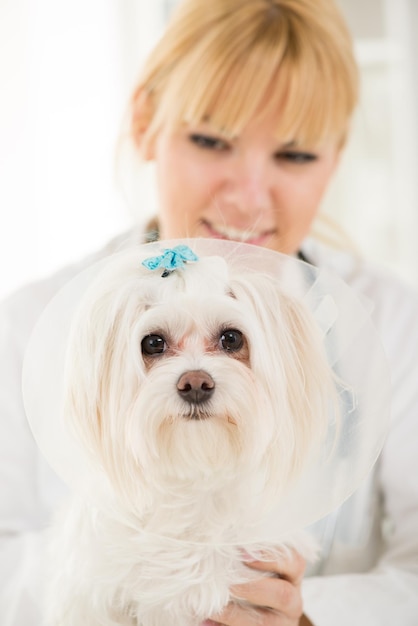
{"x":198,"y":395}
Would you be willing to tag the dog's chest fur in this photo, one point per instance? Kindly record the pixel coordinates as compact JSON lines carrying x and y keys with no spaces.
{"x":144,"y":572}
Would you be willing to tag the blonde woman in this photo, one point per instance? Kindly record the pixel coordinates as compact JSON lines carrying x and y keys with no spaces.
{"x":245,"y":106}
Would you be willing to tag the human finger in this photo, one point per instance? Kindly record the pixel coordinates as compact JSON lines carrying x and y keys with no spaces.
{"x":237,"y":615}
{"x":289,"y":566}
{"x":273,"y":593}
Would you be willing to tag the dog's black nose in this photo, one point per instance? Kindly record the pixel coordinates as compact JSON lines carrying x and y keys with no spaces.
{"x":195,"y":386}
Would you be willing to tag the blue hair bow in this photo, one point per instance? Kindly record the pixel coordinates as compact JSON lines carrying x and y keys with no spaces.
{"x":171,"y":259}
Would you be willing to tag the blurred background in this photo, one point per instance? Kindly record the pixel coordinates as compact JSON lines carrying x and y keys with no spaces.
{"x":67,"y":70}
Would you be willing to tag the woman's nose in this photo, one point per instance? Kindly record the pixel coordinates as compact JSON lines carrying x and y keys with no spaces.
{"x":249,"y":186}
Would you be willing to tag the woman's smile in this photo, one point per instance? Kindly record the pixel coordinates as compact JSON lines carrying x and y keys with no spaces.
{"x":249,"y":235}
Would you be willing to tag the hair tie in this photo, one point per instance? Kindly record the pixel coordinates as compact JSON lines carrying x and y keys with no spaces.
{"x":171,"y":259}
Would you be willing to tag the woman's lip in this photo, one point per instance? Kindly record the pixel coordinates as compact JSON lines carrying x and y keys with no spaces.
{"x":257,"y":239}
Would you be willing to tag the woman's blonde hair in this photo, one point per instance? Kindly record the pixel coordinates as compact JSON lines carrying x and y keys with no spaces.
{"x":228,"y":61}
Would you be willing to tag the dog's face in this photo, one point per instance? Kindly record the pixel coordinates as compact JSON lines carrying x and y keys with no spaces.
{"x":204,"y":374}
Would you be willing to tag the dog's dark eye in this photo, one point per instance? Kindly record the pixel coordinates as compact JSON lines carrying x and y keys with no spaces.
{"x":153,"y":344}
{"x":231,"y":340}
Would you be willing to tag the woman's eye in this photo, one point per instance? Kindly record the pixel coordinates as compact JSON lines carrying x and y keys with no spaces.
{"x":153,"y":344}
{"x":208,"y":142}
{"x":231,"y":340}
{"x":296,"y":157}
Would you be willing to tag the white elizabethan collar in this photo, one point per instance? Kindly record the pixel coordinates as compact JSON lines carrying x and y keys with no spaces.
{"x":351,"y":343}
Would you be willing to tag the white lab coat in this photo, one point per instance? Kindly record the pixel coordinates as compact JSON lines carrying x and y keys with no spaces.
{"x":368,"y":571}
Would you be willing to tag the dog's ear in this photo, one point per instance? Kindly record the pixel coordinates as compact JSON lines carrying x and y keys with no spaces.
{"x":99,"y":373}
{"x":311,"y":383}
{"x":288,"y":355}
{"x":87,"y":373}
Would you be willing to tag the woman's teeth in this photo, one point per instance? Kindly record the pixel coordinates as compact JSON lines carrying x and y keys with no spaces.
{"x":235,"y":234}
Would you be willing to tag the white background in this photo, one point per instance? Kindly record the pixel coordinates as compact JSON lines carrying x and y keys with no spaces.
{"x":67,"y":69}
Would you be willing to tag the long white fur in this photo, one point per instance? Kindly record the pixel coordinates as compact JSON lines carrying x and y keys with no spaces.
{"x":158,"y":534}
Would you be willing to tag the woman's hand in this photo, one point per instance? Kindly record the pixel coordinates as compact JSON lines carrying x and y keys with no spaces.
{"x":274,"y":601}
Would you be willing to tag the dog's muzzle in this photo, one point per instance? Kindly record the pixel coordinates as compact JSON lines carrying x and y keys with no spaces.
{"x":196,"y":386}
